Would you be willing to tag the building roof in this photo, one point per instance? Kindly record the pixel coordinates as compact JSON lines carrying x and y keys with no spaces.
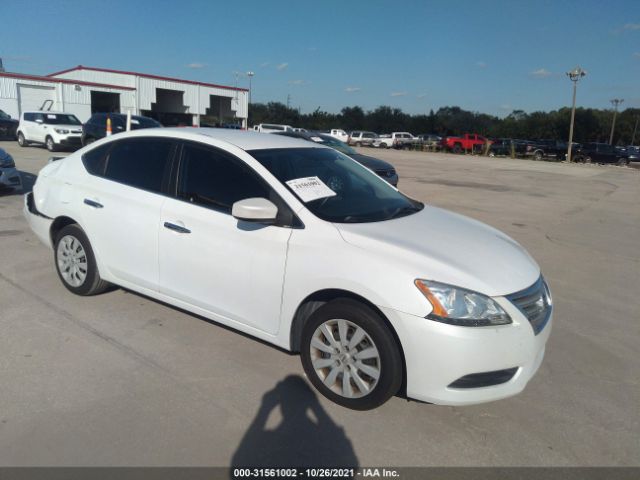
{"x":146,"y":75}
{"x":41,"y":78}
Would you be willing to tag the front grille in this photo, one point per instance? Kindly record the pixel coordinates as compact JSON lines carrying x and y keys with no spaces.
{"x":534,"y":303}
{"x":485,"y":379}
{"x":388,"y":173}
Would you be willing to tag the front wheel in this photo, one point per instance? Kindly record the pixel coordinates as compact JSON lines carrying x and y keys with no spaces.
{"x":51,"y":146}
{"x":350,"y":355}
{"x":623,"y":161}
{"x":76,"y":263}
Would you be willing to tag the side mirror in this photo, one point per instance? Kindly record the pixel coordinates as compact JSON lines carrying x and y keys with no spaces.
{"x":258,"y":210}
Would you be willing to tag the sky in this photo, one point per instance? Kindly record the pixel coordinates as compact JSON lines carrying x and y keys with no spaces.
{"x":486,"y":56}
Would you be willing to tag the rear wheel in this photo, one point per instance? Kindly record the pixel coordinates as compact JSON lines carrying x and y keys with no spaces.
{"x":537,"y":155}
{"x":21,"y":140}
{"x":623,"y":161}
{"x":457,"y":148}
{"x":75,"y":262}
{"x":350,"y":355}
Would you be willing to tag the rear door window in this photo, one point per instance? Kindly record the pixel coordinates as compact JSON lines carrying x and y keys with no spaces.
{"x":140,"y":162}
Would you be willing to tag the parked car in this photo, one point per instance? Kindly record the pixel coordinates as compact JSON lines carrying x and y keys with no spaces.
{"x":379,"y":167}
{"x":53,"y":129}
{"x":96,"y":126}
{"x":8,"y":126}
{"x":600,"y":153}
{"x":338,"y":134}
{"x":633,"y":153}
{"x":430,"y":139}
{"x":9,"y":176}
{"x":272,"y":128}
{"x":554,"y":149}
{"x":508,"y":146}
{"x":295,"y":244}
{"x":361,"y":138}
{"x":467,"y":142}
{"x":395,"y":140}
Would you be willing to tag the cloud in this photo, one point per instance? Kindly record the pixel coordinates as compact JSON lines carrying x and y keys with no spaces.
{"x":265,"y":64}
{"x":506,"y":106}
{"x":298,"y":82}
{"x":196,"y":65}
{"x":352,"y":89}
{"x":481,"y":64}
{"x":398,"y":94}
{"x":282,"y":66}
{"x":637,"y":54}
{"x":541,"y":73}
{"x":631,"y":26}
{"x":421,"y":95}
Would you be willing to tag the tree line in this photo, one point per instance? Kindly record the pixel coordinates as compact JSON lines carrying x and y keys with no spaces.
{"x":591,"y":125}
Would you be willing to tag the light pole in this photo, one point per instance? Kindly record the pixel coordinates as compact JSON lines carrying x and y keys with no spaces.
{"x":615,"y":102}
{"x":574,"y":75}
{"x":250,"y":74}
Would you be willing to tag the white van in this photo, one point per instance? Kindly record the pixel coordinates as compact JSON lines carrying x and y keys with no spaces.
{"x":272,"y":128}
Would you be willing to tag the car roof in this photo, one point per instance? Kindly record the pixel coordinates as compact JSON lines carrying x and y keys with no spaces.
{"x":244,"y":139}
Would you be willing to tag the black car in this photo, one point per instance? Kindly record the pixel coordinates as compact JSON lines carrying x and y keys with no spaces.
{"x":601,"y":153}
{"x":96,"y":126}
{"x":383,"y":169}
{"x":508,"y":146}
{"x":556,"y":149}
{"x":8,"y":126}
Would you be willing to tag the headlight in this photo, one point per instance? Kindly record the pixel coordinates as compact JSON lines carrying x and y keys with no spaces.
{"x":457,"y":306}
{"x":61,"y":130}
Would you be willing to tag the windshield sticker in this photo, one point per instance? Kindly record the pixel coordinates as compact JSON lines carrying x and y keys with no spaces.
{"x":310,"y":188}
{"x":52,"y":117}
{"x":135,"y":122}
{"x":317,"y":139}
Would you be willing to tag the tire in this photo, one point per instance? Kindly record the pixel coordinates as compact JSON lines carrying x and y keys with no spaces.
{"x":76,"y":263}
{"x":21,"y":140}
{"x":383,"y":145}
{"x":457,"y":148}
{"x":623,"y":162}
{"x":358,"y":144}
{"x":537,"y":155}
{"x":330,"y":364}
{"x":51,"y":146}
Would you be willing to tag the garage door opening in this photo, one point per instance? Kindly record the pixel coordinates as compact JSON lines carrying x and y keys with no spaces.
{"x":105,"y":102}
{"x":169,"y":109}
{"x":219,"y":112}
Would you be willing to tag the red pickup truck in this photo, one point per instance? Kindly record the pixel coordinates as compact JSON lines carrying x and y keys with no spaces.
{"x":468,"y":141}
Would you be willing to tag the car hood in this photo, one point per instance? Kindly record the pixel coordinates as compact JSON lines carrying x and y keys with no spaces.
{"x":371,"y":162}
{"x":446,"y":247}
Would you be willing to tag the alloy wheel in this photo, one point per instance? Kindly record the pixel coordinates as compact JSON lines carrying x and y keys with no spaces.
{"x":72,"y":260}
{"x":345,"y":358}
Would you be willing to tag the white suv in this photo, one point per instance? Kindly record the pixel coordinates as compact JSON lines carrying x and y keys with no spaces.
{"x":53,"y":129}
{"x":301,"y":246}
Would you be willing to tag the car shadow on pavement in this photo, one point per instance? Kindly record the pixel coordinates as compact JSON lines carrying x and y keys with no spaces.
{"x":305,"y":437}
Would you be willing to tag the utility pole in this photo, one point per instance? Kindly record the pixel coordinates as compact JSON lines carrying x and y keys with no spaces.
{"x":615,"y":102}
{"x":288,"y":100}
{"x":250,"y":74}
{"x":635,"y":129}
{"x":574,"y":75}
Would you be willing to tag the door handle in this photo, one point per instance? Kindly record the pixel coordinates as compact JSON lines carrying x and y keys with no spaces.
{"x":93,"y":203}
{"x":176,"y":228}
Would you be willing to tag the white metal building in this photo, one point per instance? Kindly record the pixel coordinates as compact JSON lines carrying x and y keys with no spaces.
{"x":86,"y":90}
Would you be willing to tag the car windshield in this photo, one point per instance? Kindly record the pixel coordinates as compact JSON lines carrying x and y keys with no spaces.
{"x":334,"y":187}
{"x":61,"y":119}
{"x":334,"y":143}
{"x":143,"y":122}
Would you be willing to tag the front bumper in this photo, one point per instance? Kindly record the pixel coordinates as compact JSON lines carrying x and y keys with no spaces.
{"x":70,"y":141}
{"x":437,"y":354}
{"x":39,"y":223}
{"x":10,"y":177}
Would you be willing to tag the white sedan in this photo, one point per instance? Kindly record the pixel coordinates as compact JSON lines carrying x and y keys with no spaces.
{"x":300,"y":246}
